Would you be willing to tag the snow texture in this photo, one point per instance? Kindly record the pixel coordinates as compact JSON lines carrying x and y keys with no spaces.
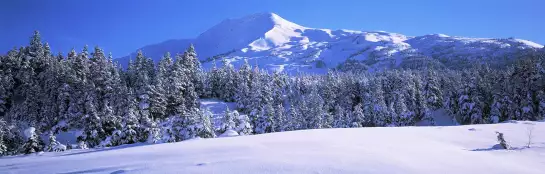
{"x":229,"y":133}
{"x":450,"y":149}
{"x":29,"y":132}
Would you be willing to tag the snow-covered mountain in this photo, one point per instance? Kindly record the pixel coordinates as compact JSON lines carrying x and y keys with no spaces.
{"x":274,"y":43}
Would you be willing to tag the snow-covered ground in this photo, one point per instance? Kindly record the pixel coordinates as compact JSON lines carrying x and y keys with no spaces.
{"x":449,"y":149}
{"x":217,"y":108}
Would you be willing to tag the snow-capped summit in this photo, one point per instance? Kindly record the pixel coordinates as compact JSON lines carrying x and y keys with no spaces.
{"x":260,"y":31}
{"x":276,"y":44}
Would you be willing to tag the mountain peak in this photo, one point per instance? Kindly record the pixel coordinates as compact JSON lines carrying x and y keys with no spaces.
{"x":269,"y":19}
{"x":264,"y":30}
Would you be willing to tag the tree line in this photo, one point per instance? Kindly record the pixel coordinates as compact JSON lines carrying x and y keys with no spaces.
{"x":159,"y":102}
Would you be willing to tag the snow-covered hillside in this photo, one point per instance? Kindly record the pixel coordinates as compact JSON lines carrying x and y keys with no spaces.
{"x":451,"y":149}
{"x":277,"y":44}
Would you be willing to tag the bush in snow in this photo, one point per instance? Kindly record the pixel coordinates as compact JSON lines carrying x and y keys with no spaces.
{"x":502,"y":141}
{"x":82,"y":145}
{"x":59,"y":148}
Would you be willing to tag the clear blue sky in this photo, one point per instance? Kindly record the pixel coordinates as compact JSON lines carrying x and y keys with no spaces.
{"x":122,"y":26}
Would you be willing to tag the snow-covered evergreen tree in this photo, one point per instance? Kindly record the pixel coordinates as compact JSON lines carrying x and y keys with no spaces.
{"x":3,"y":142}
{"x":227,"y":121}
{"x":32,"y":144}
{"x":358,"y":117}
{"x":432,"y":92}
{"x":242,"y":93}
{"x":206,"y":129}
{"x":53,"y":143}
{"x":243,"y":126}
{"x":158,"y":95}
{"x":279,"y":120}
{"x":130,"y":122}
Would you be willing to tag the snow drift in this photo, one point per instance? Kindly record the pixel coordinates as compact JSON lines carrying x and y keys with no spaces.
{"x":451,"y":149}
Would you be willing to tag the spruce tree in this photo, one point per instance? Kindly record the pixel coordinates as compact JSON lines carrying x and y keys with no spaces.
{"x":279,"y":120}
{"x":228,"y":121}
{"x":158,"y":96}
{"x":243,"y":126}
{"x":358,"y":118}
{"x":206,"y":130}
{"x":53,"y":143}
{"x":3,"y":142}
{"x":32,"y":144}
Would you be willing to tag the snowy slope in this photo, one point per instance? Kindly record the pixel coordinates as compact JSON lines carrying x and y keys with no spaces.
{"x":274,"y":43}
{"x":454,"y":149}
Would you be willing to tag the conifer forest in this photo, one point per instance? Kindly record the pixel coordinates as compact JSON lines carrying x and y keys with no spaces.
{"x":43,"y":94}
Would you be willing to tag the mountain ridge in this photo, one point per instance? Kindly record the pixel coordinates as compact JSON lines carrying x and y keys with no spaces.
{"x":277,"y":44}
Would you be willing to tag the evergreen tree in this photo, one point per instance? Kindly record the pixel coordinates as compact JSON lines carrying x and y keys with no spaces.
{"x":206,"y":130}
{"x":53,"y":143}
{"x":228,"y":121}
{"x":313,"y":110}
{"x":130,"y":121}
{"x":177,"y":83}
{"x":279,"y":120}
{"x":243,"y":126}
{"x":32,"y":144}
{"x":339,"y":118}
{"x":158,"y":97}
{"x":358,"y":118}
{"x":243,"y":91}
{"x":264,"y":121}
{"x":154,"y":133}
{"x":296,"y":119}
{"x":3,"y":142}
{"x":432,"y":92}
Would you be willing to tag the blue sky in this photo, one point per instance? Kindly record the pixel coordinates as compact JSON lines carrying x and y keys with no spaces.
{"x":122,"y":26}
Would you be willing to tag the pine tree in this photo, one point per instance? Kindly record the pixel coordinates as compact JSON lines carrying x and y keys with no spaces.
{"x":432,"y":92}
{"x":339,"y":117}
{"x":6,"y":86}
{"x":154,"y":133}
{"x":194,"y":70}
{"x":158,"y":97}
{"x":243,"y":126}
{"x":279,"y":120}
{"x":93,"y":131}
{"x":358,"y":118}
{"x":32,"y":144}
{"x":3,"y":142}
{"x":228,"y":121}
{"x":421,"y":110}
{"x":295,"y":118}
{"x":228,"y":85}
{"x":130,"y":121}
{"x":264,"y":121}
{"x":243,"y":88}
{"x":177,"y":83}
{"x":53,"y":143}
{"x":313,"y":111}
{"x":206,"y":128}
{"x":190,"y":125}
